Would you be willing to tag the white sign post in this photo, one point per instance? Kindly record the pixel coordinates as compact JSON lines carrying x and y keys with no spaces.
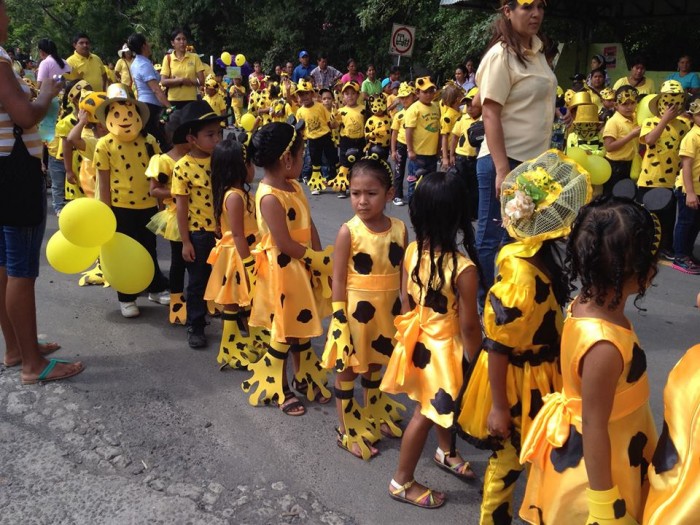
{"x":402,"y":40}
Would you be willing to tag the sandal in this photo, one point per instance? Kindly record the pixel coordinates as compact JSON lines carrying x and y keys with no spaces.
{"x":462,"y":470}
{"x":291,"y":405}
{"x":302,"y":387}
{"x":45,"y":348}
{"x":342,"y":441}
{"x":427,"y":500}
{"x":44,"y":376}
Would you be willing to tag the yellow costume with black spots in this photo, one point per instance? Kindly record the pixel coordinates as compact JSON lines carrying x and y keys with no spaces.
{"x":557,"y":482}
{"x":448,"y":118}
{"x":63,"y":128}
{"x":227,"y":282}
{"x":164,"y":223}
{"x":378,"y":131}
{"x":673,"y":474}
{"x":427,"y":360}
{"x":661,"y":162}
{"x":522,"y":320}
{"x":373,"y":282}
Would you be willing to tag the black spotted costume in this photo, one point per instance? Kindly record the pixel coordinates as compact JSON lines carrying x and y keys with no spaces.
{"x":557,"y":483}
{"x":427,"y":360}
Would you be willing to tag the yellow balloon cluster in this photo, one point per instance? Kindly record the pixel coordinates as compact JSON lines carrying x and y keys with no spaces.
{"x":598,"y":167}
{"x":248,"y":122}
{"x":240,"y":60}
{"x":87,"y":229}
{"x":226,"y":58}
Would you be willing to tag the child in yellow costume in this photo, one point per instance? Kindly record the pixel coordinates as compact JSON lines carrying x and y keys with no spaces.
{"x":366,"y":283}
{"x":71,"y":159}
{"x":584,"y":132}
{"x":438,"y":327}
{"x":378,"y":128}
{"x":164,"y":223}
{"x":463,"y":154}
{"x":231,"y":281}
{"x":590,"y":445}
{"x":523,"y":318}
{"x":213,"y":96}
{"x":450,"y":100}
{"x":237,"y":94}
{"x":352,"y":134}
{"x":673,"y":474}
{"x":292,"y":291}
{"x":399,"y":151}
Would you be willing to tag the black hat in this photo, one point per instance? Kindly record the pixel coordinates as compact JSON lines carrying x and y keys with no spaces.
{"x":193,"y":116}
{"x":580,"y":77}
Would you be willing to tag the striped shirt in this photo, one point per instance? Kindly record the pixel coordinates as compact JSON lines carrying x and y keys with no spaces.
{"x":7,"y":139}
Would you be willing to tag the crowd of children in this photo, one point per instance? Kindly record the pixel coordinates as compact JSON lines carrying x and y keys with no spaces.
{"x":539,"y":379}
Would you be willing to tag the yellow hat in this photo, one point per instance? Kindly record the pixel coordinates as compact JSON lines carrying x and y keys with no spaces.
{"x":406,"y":89}
{"x":157,"y":67}
{"x":670,"y":94}
{"x":76,"y":88}
{"x":607,"y":94}
{"x":473,"y":92}
{"x":529,"y":194}
{"x":424,"y":84}
{"x":211,"y":82}
{"x":560,"y":91}
{"x":625,"y":94}
{"x":586,"y":113}
{"x":90,"y":101}
{"x":120,"y":93}
{"x":304,"y":86}
{"x":352,"y":85}
{"x":578,"y":98}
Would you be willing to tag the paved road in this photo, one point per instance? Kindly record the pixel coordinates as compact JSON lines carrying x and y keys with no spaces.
{"x":152,"y":432}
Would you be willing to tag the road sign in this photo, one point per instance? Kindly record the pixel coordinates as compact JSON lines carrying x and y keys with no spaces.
{"x":402,"y":40}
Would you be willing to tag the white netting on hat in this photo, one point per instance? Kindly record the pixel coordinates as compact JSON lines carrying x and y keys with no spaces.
{"x":541,"y":198}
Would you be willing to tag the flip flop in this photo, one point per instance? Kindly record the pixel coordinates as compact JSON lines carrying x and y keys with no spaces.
{"x":45,"y":348}
{"x":44,"y":376}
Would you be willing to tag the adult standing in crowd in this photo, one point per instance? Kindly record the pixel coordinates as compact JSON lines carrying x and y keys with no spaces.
{"x":20,"y":247}
{"x":689,"y":80}
{"x":304,"y":68}
{"x":324,"y":76}
{"x":182,"y":72}
{"x":470,"y":79}
{"x":51,"y":63}
{"x":147,"y":82}
{"x":461,"y":77}
{"x":353,"y":74}
{"x":517,"y":90}
{"x":636,"y":78}
{"x":371,"y":86}
{"x":598,"y":62}
{"x":122,"y":69}
{"x":86,"y":65}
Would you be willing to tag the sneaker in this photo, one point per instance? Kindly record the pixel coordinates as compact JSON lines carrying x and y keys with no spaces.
{"x":129,"y":309}
{"x":398,"y":201}
{"x":686,"y":265}
{"x":315,"y":192}
{"x":196,"y":337}
{"x":667,"y":254}
{"x":160,"y":297}
{"x":343,"y":195}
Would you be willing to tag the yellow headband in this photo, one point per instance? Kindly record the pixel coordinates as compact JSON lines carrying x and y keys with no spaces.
{"x":291,"y":142}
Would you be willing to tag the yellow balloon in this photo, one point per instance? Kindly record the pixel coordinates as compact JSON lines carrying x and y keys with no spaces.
{"x":226,"y":58}
{"x":578,"y":155}
{"x":66,"y":257}
{"x":126,"y":265}
{"x":600,"y":169}
{"x":643,"y":111}
{"x":636,"y":167}
{"x":240,"y":60}
{"x":87,"y":222}
{"x":247,"y":122}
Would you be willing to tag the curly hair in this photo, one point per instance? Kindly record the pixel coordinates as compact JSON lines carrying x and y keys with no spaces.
{"x":612,"y":242}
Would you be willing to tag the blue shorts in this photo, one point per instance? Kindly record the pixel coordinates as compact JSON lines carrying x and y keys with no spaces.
{"x":20,"y":249}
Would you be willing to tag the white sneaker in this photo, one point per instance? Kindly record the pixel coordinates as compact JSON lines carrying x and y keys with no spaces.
{"x":315,"y":192}
{"x":398,"y":202}
{"x":160,"y":297}
{"x":129,"y":309}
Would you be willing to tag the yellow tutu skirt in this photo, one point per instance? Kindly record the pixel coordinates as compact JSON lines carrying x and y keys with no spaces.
{"x":228,"y":282}
{"x":164,"y":223}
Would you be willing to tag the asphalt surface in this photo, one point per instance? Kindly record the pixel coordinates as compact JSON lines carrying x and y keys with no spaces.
{"x":153,"y":432}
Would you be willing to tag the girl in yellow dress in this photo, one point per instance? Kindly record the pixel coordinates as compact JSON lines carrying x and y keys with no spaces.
{"x":369,"y":249}
{"x":293,"y":290}
{"x":439,"y":326}
{"x":523,"y":318}
{"x":231,"y":280}
{"x":591,"y":444}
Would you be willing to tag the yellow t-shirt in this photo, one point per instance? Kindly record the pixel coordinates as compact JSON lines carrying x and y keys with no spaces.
{"x":645,"y":88}
{"x":389,"y":101}
{"x":690,"y":147}
{"x":317,"y":118}
{"x":88,"y":68}
{"x":237,"y":96}
{"x":127,"y":163}
{"x":63,"y":127}
{"x":161,"y":169}
{"x":661,"y":163}
{"x":88,"y":174}
{"x":425,"y":121}
{"x":460,"y":131}
{"x":448,"y":119}
{"x":352,"y":122}
{"x":192,"y":177}
{"x":217,"y":103}
{"x":122,"y":72}
{"x":617,"y":127}
{"x":187,"y":67}
{"x":397,"y":125}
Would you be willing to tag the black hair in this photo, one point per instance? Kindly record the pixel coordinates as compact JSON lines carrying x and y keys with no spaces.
{"x":229,"y":170}
{"x":275,"y":91}
{"x":462,"y":68}
{"x":598,"y":70}
{"x":379,"y":169}
{"x":135,"y":43}
{"x":177,"y":31}
{"x":395,"y":69}
{"x":270,"y":141}
{"x":49,"y":47}
{"x":174,"y":121}
{"x":218,"y":70}
{"x":612,"y":241}
{"x":78,"y":36}
{"x":324,"y":90}
{"x":350,"y":61}
{"x":637,"y":60}
{"x":441,"y":223}
{"x":322,"y":55}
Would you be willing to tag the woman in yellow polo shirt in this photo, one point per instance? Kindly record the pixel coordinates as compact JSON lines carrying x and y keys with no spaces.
{"x":182,"y":72}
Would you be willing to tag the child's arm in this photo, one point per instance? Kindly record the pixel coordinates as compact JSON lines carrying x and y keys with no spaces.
{"x":394,"y":143}
{"x":600,"y":369}
{"x":75,"y":134}
{"x":158,"y":190}
{"x":654,"y":135}
{"x":182,"y":207}
{"x":235,"y":210}
{"x":104,"y":184}
{"x":614,"y":144}
{"x":493,"y":126}
{"x":341,"y":255}
{"x":409,"y":143}
{"x":499,"y":421}
{"x":68,"y":160}
{"x":274,"y":216}
{"x":469,"y":325}
{"x":315,"y":239}
{"x":691,"y":199}
{"x":405,"y":305}
{"x":445,"y":145}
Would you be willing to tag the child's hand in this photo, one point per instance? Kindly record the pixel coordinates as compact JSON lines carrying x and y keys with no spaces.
{"x":499,"y":423}
{"x":187,"y":251}
{"x":70,"y":177}
{"x":412,"y":155}
{"x":635,"y":131}
{"x":691,"y":200}
{"x":83,"y":116}
{"x":395,"y":156}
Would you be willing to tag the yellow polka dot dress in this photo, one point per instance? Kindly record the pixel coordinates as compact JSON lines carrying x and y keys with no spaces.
{"x":427,"y":360}
{"x":227,"y":283}
{"x":164,"y":223}
{"x":287,"y":302}
{"x":373,"y":285}
{"x":556,"y":487}
{"x":661,"y":162}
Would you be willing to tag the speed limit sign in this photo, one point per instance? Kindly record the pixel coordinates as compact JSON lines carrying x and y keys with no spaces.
{"x":402,"y":40}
